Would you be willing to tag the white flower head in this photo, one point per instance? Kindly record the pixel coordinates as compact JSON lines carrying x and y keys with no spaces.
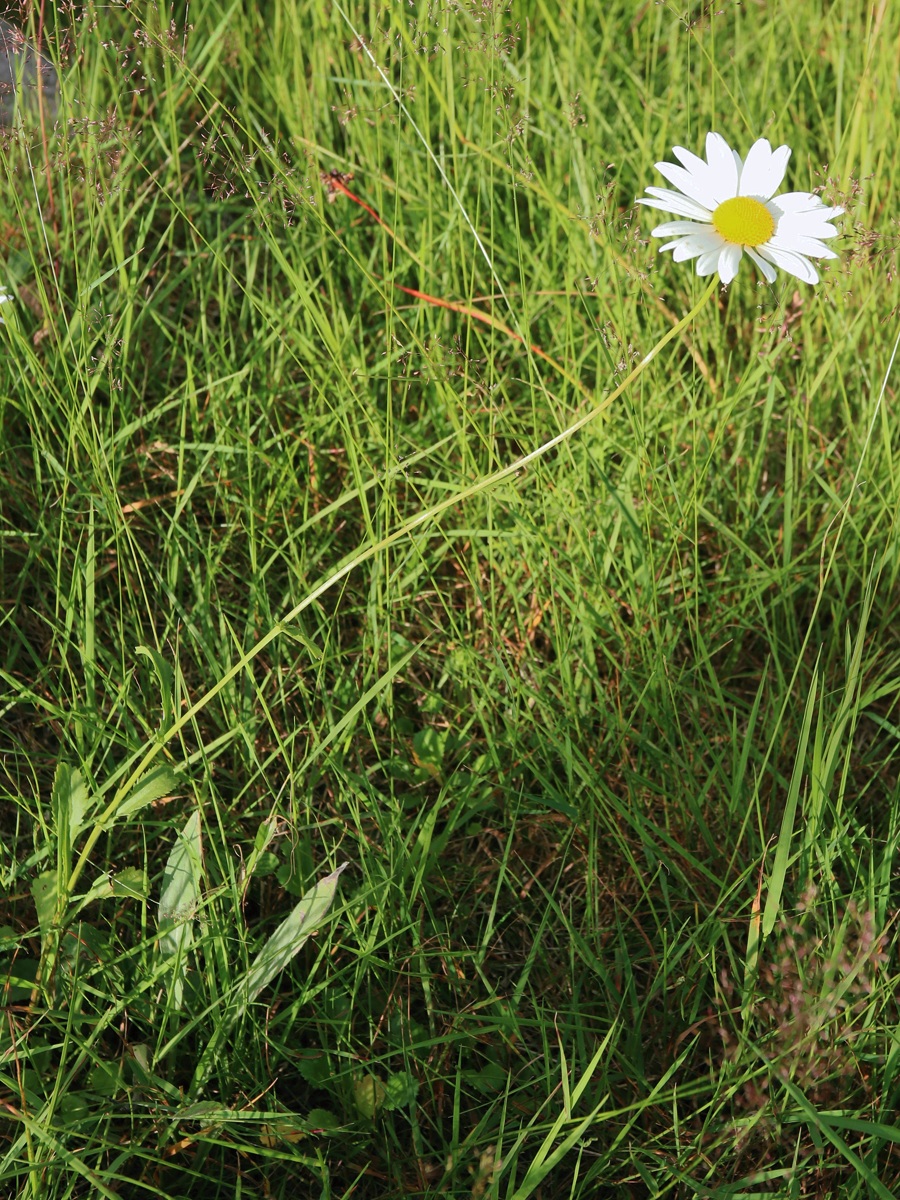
{"x":5,"y":298}
{"x":730,"y":209}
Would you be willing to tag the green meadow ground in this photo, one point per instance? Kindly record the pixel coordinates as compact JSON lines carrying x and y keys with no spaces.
{"x":608,"y":742}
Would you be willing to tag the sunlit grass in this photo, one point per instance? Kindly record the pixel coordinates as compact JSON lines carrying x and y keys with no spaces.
{"x":608,"y":742}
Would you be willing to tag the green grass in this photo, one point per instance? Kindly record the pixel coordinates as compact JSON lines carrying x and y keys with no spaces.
{"x":608,"y":741}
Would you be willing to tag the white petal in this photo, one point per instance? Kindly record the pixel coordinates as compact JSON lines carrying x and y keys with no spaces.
{"x":763,"y":170}
{"x":690,"y":247}
{"x":716,"y":184}
{"x":800,"y":244}
{"x":804,"y":221}
{"x":725,"y":165}
{"x":690,"y":162}
{"x":767,"y":269}
{"x":683,"y":248}
{"x":670,"y":228}
{"x":805,"y":202}
{"x":708,"y":263}
{"x":699,"y":188}
{"x":794,"y":264}
{"x":805,"y":225}
{"x":674,"y":202}
{"x":729,"y":261}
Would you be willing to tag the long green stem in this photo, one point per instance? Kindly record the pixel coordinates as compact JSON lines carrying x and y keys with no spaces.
{"x":362,"y":556}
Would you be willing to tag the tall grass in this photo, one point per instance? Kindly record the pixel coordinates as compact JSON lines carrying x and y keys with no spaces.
{"x":607,"y":741}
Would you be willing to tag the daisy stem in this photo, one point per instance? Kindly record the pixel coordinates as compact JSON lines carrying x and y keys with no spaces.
{"x":354,"y":560}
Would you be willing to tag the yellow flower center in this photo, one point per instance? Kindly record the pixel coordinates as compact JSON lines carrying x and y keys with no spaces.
{"x":744,"y":221}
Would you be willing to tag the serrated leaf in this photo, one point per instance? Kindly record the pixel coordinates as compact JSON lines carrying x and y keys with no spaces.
{"x":321,"y":1120}
{"x":400,"y":1091}
{"x":314,"y":1066}
{"x":292,"y":934}
{"x":131,"y":882}
{"x":155,"y":784}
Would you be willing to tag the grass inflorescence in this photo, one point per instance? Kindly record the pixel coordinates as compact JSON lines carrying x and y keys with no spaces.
{"x":449,"y":739}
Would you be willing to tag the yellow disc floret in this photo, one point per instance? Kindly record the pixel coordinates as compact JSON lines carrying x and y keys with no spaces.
{"x":744,"y":221}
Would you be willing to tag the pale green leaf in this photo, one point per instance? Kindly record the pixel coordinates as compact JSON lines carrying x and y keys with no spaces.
{"x":44,"y":892}
{"x":292,"y":934}
{"x":178,"y":901}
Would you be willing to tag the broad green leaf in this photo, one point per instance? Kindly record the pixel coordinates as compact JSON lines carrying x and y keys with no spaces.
{"x":292,"y":934}
{"x":314,"y":1066}
{"x":288,"y":938}
{"x":105,"y":1078}
{"x":178,"y":901}
{"x":131,"y":882}
{"x":428,"y":750}
{"x":264,"y":834}
{"x":19,"y":981}
{"x":322,"y":1120}
{"x":100,"y":889}
{"x":267,"y":864}
{"x":400,"y":1091}
{"x":369,"y":1093}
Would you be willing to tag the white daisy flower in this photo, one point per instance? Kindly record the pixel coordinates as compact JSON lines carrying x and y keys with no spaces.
{"x":5,"y":298}
{"x":730,"y":209}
